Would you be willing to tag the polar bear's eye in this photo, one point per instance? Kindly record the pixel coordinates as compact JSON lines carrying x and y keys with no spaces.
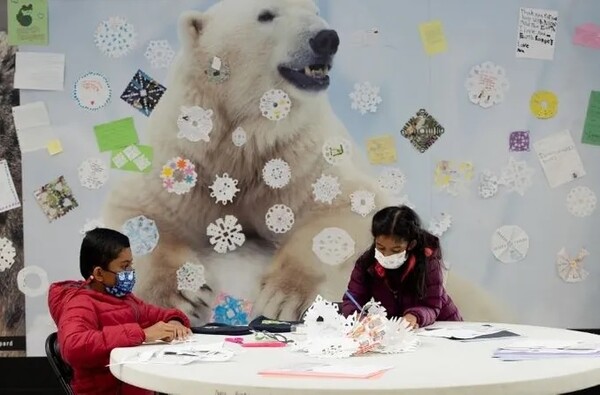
{"x":266,"y":16}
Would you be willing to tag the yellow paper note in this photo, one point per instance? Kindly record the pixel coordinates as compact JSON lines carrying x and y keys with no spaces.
{"x":432,"y":35}
{"x":54,"y":147}
{"x":381,"y":150}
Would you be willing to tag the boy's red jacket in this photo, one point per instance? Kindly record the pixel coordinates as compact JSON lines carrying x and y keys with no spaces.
{"x":91,"y":323}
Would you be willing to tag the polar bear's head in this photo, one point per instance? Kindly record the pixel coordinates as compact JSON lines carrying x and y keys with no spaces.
{"x":266,"y":44}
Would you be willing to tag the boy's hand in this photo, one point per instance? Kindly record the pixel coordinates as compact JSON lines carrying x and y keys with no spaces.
{"x":181,"y":331}
{"x":161,"y":331}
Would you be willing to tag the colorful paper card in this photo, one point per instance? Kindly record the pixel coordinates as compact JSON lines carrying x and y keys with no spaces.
{"x":27,"y":22}
{"x":381,"y":150}
{"x":559,"y":158}
{"x":133,"y":158}
{"x":591,"y":127}
{"x":587,"y":35}
{"x":116,"y":134}
{"x":536,"y":37}
{"x":54,"y":147}
{"x":433,"y":38}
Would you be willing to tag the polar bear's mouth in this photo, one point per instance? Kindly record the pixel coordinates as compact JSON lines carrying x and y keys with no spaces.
{"x":312,"y":77}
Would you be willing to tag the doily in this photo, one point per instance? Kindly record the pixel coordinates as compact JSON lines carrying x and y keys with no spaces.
{"x":275,"y":105}
{"x":391,"y":180}
{"x":195,"y":123}
{"x":279,"y":218}
{"x":516,"y":176}
{"x":225,"y":234}
{"x":92,"y":91}
{"x":365,"y":97}
{"x":440,"y":225}
{"x":7,"y":254}
{"x":159,"y":53}
{"x":571,"y":269}
{"x":91,"y":224}
{"x":218,"y":70}
{"x":488,"y":184}
{"x":543,"y":104}
{"x":115,"y":37}
{"x":422,"y":130}
{"x":239,"y":137}
{"x":362,"y":202}
{"x":276,"y":173}
{"x":142,"y":233}
{"x":487,"y":84}
{"x":190,"y":277}
{"x":224,"y":189}
{"x":337,"y":150}
{"x":518,"y":141}
{"x":581,"y":201}
{"x":37,"y":287}
{"x":333,"y":246}
{"x":326,"y":189}
{"x":510,"y":244}
{"x":93,"y":173}
{"x":452,"y":176}
{"x":179,"y":176}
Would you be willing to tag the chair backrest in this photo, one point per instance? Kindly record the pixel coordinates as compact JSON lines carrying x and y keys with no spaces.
{"x":61,"y":369}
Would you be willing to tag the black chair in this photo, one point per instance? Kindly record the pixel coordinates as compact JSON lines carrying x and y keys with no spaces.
{"x":61,"y":369}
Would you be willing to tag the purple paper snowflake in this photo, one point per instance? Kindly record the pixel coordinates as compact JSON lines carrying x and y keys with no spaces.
{"x":143,"y":93}
{"x":518,"y":141}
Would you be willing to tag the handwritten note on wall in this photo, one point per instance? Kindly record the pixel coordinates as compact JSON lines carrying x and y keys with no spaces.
{"x":559,"y":158}
{"x":537,"y":33}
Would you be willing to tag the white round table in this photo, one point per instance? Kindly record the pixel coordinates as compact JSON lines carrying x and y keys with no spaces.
{"x":438,"y":366}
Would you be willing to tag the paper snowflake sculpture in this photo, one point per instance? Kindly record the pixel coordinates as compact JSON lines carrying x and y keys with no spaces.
{"x":195,"y":124}
{"x":487,"y":84}
{"x":571,"y":269}
{"x":159,"y":53}
{"x":91,"y":224}
{"x":488,"y":184}
{"x":333,"y":246}
{"x":142,"y":233}
{"x":439,"y":226}
{"x":93,"y":173}
{"x":239,"y":137}
{"x":516,"y":176}
{"x":115,"y":37}
{"x":337,"y":150}
{"x":276,"y":173}
{"x":279,"y":218}
{"x":225,"y":234}
{"x":224,"y":189}
{"x":362,"y":202}
{"x":391,"y":180}
{"x":365,"y":97}
{"x":581,"y":201}
{"x":7,"y":254}
{"x":326,"y":189}
{"x":190,"y":277}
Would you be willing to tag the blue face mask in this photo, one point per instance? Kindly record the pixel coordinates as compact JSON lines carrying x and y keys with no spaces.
{"x":125,"y":281}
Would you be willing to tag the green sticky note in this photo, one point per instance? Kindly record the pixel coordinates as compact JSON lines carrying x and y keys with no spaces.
{"x":115,"y":135}
{"x":27,"y":22}
{"x":591,"y":127}
{"x":133,"y":158}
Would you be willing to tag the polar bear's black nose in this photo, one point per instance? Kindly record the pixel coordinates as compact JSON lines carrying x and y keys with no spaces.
{"x":325,"y":43}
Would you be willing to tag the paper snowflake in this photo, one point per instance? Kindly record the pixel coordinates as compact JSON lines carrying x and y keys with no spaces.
{"x":518,"y":141}
{"x":276,"y":173}
{"x":179,"y":176}
{"x":195,"y":123}
{"x":231,"y":310}
{"x":224,"y":189}
{"x":91,"y":224}
{"x":93,"y":173}
{"x":365,"y":97}
{"x":405,"y":201}
{"x":239,"y":137}
{"x":488,"y":184}
{"x":56,"y":199}
{"x":159,"y":53}
{"x":333,"y":246}
{"x":422,"y":130}
{"x":337,"y":150}
{"x":439,"y":226}
{"x":115,"y":37}
{"x":218,"y":70}
{"x":275,"y":105}
{"x":581,"y":201}
{"x":326,"y":189}
{"x":190,"y":277}
{"x":452,"y":176}
{"x":362,"y":202}
{"x":92,"y":91}
{"x":487,"y":84}
{"x":516,"y":176}
{"x":322,"y":316}
{"x":225,"y":234}
{"x":544,"y":104}
{"x":571,"y":269}
{"x":510,"y":244}
{"x":279,"y":218}
{"x":142,"y":233}
{"x":7,"y":254}
{"x":391,"y":180}
{"x":143,"y":93}
{"x":29,"y":287}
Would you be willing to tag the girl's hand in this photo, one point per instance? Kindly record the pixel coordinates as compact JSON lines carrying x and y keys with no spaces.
{"x":412,"y":320}
{"x":181,"y":331}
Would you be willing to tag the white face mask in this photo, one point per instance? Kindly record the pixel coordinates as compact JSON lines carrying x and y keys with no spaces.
{"x":391,"y":261}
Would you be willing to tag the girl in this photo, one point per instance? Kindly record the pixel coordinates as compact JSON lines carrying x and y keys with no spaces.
{"x":402,"y":270}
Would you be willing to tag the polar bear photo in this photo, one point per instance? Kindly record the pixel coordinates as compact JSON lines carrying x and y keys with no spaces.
{"x":261,"y":46}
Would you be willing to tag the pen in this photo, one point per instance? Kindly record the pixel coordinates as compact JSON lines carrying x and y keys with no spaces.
{"x":349,"y":295}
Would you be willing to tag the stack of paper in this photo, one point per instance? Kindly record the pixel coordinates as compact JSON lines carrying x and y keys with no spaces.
{"x":546,"y":349}
{"x":468,"y":333}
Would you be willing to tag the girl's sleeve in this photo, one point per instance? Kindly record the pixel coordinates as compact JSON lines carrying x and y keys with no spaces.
{"x":357,"y":287}
{"x":430,"y":305}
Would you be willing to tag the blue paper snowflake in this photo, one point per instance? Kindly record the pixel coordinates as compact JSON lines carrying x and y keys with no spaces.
{"x":142,"y":233}
{"x":231,"y":311}
{"x":143,"y":93}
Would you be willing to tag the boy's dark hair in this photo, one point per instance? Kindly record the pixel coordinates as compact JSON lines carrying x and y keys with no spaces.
{"x":403,"y":223}
{"x":99,"y":247}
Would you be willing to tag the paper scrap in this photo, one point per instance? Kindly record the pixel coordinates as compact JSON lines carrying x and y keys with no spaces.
{"x":40,"y":70}
{"x":381,"y":150}
{"x":27,"y":22}
{"x":54,"y":147}
{"x":116,"y":134}
{"x":432,"y":36}
{"x":591,"y":127}
{"x":587,"y":35}
{"x":9,"y":198}
{"x":33,"y":126}
{"x":133,"y":158}
{"x":537,"y":33}
{"x":559,"y":158}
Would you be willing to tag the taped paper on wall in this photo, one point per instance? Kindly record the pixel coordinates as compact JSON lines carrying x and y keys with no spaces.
{"x":33,"y":126}
{"x":39,"y":71}
{"x":9,"y":199}
{"x":537,"y":33}
{"x":559,"y":158}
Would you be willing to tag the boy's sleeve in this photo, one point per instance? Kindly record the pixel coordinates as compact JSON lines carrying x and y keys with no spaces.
{"x":357,"y":287}
{"x":154,"y":314}
{"x":431,"y":304}
{"x":83,"y":344}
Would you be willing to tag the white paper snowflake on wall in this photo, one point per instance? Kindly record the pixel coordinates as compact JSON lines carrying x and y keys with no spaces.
{"x":190,"y":277}
{"x":224,"y":189}
{"x":115,"y":37}
{"x":405,"y":201}
{"x":488,"y":184}
{"x":275,"y":105}
{"x":391,"y":180}
{"x":32,"y":281}
{"x":571,"y":269}
{"x":7,"y":254}
{"x":279,"y":218}
{"x":195,"y":123}
{"x":159,"y":53}
{"x":439,"y":226}
{"x":91,"y":224}
{"x":326,"y":189}
{"x":487,"y":84}
{"x":93,"y":173}
{"x":581,"y":201}
{"x":510,"y":244}
{"x":225,"y":234}
{"x":333,"y":246}
{"x":239,"y":136}
{"x":337,"y":150}
{"x":365,"y":97}
{"x":362,"y":202}
{"x":276,"y":173}
{"x":516,"y":176}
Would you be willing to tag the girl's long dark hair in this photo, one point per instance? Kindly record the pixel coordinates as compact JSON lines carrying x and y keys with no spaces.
{"x":403,"y":223}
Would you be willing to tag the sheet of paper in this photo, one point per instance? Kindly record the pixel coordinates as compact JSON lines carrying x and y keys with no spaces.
{"x":381,"y":150}
{"x":433,"y":38}
{"x":28,"y":22}
{"x":133,"y":158}
{"x":8,"y":194}
{"x":54,"y":147}
{"x":116,"y":134}
{"x":587,"y":35}
{"x":559,"y":158}
{"x":33,"y":126}
{"x":591,"y":127}
{"x":40,"y":70}
{"x":536,"y":35}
